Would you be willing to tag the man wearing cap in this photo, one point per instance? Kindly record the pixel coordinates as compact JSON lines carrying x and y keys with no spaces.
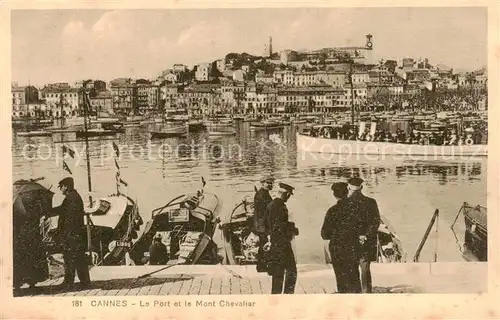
{"x":71,"y":232}
{"x":283,"y":268}
{"x":158,"y":251}
{"x":261,"y":200}
{"x":367,"y":208}
{"x":341,"y":226}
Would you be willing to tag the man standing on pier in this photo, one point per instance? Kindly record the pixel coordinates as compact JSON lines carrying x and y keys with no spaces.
{"x":341,"y":226}
{"x":72,"y":236}
{"x":261,"y":200}
{"x":367,"y":208}
{"x":282,"y":266}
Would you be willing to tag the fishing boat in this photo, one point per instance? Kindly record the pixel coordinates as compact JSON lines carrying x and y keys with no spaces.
{"x":389,"y":245}
{"x":35,"y":133}
{"x":196,"y":125}
{"x":186,"y":225}
{"x":100,"y":129}
{"x":96,"y":132}
{"x":169,"y":131}
{"x":311,"y":144}
{"x":115,"y":125}
{"x":220,"y":129}
{"x":266,"y":125}
{"x":114,"y":223}
{"x":240,"y":247}
{"x":476,"y":230}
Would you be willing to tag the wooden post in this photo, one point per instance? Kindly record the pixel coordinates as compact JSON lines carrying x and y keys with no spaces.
{"x":426,"y":235}
{"x":436,"y":236}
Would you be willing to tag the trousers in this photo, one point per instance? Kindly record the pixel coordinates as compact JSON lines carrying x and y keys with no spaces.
{"x":347,"y":276}
{"x":366,"y":275}
{"x":75,"y":260}
{"x":285,"y":273}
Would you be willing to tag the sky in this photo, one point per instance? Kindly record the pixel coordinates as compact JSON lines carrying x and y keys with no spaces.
{"x":70,"y":45}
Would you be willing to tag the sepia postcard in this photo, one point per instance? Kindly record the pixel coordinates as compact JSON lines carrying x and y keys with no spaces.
{"x":260,"y":160}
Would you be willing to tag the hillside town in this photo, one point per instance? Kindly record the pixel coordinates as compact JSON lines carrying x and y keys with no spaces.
{"x":319,"y":81}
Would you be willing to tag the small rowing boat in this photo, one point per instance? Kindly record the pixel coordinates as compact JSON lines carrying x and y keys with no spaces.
{"x":186,"y":225}
{"x":239,"y":245}
{"x":476,"y":230}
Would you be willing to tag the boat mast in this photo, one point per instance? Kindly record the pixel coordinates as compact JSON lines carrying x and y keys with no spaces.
{"x":86,"y":107}
{"x":351,"y":61}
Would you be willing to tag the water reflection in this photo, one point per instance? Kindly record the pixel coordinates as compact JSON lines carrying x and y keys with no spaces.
{"x":408,"y":191}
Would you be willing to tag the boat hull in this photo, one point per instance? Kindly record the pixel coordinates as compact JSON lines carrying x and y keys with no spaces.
{"x":266,"y":128}
{"x":335,"y":146}
{"x":188,"y":237}
{"x":166,"y":134}
{"x":34,"y":134}
{"x":221,"y":133}
{"x":476,"y":231}
{"x":118,"y":224}
{"x":96,"y":133}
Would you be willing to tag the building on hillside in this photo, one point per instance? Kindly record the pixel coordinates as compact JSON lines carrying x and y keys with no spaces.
{"x":360,"y":77}
{"x":287,"y":56}
{"x":360,"y":91}
{"x":148,"y":97}
{"x":200,"y":99}
{"x":285,"y":77}
{"x":238,"y":75}
{"x":308,"y":99}
{"x":203,"y":72}
{"x":62,"y":100}
{"x":102,"y":102}
{"x":23,"y":95}
{"x":124,"y":94}
{"x":336,"y":79}
{"x":179,"y":67}
{"x":264,"y":79}
{"x":220,"y":65}
{"x":408,"y":63}
{"x":380,"y":75}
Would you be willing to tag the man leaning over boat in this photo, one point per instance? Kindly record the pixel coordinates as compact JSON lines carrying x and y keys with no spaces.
{"x":71,"y":234}
{"x":261,"y":200}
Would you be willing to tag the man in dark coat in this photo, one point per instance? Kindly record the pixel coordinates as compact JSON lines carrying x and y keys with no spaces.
{"x":72,"y":236}
{"x":261,"y":200}
{"x":158,"y":252}
{"x":342,"y":226}
{"x":282,"y":267}
{"x":367,"y":208}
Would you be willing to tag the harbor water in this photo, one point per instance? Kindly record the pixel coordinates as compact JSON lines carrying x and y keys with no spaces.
{"x":408,"y":191}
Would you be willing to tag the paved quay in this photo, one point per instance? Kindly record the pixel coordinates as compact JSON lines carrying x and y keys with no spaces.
{"x":440,"y":277}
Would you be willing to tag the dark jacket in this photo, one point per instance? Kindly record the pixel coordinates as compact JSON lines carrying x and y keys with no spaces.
{"x":367,"y":208}
{"x":281,"y":232}
{"x":342,"y":227}
{"x":261,"y":200}
{"x":158,"y":253}
{"x":71,"y":225}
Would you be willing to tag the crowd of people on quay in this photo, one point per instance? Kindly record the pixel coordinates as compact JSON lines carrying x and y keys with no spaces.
{"x":472,"y":135}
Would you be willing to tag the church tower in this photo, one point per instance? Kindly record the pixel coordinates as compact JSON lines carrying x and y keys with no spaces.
{"x":270,"y":46}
